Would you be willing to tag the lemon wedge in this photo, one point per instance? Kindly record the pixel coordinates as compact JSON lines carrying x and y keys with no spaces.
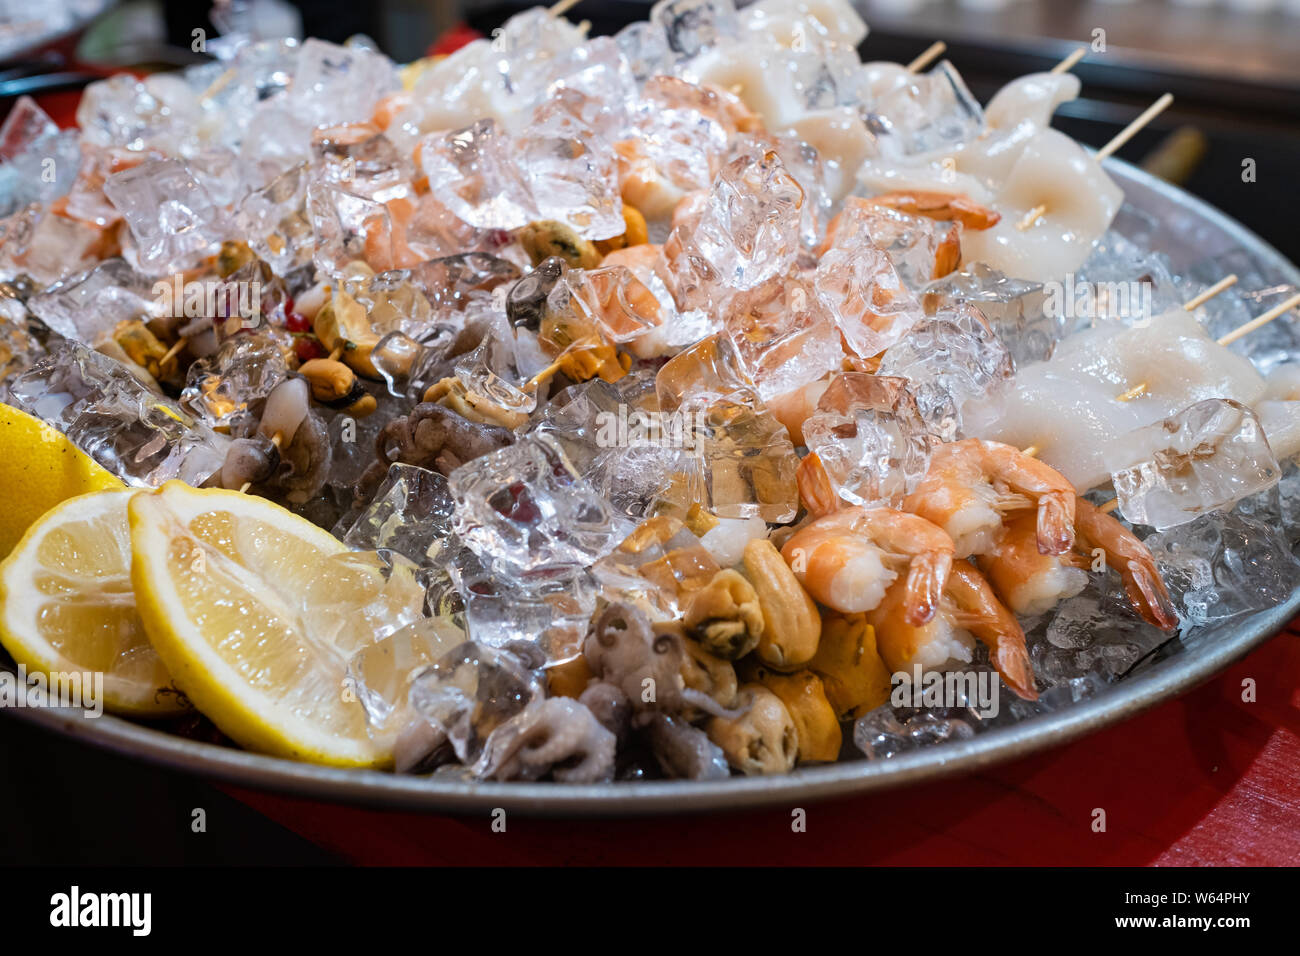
{"x":39,"y":467}
{"x":256,"y":613}
{"x":66,"y":604}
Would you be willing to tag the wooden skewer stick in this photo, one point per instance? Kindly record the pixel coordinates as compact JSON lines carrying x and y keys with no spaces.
{"x":1135,"y":127}
{"x":173,"y":351}
{"x":1258,"y":321}
{"x":932,"y":53}
{"x":563,"y":7}
{"x":1109,"y":506}
{"x":275,"y":440}
{"x":1031,"y":218}
{"x":1066,"y":65}
{"x":1197,"y":301}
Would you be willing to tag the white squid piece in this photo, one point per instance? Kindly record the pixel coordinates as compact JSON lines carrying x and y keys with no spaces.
{"x":1073,"y":203}
{"x":1069,"y":407}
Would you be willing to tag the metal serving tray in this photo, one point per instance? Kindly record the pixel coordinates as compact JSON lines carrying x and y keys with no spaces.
{"x":1190,"y":232}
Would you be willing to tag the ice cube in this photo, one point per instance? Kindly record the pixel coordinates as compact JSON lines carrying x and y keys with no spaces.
{"x":865,"y":295}
{"x":411,"y":514}
{"x":335,"y":84}
{"x":471,"y":691}
{"x":746,"y":464}
{"x":656,"y":567}
{"x":1015,"y":309}
{"x":548,"y":614}
{"x":525,"y":509}
{"x":90,"y":304}
{"x":880,"y":735}
{"x":360,"y":597}
{"x":1223,"y":565}
{"x":381,"y":674}
{"x":1206,"y":457}
{"x":572,"y":172}
{"x":474,"y":171}
{"x":681,"y":133}
{"x":706,"y":372}
{"x":948,"y":360}
{"x":38,"y":162}
{"x":137,"y":434}
{"x":1119,"y":282}
{"x":870,"y":438}
{"x":222,"y":388}
{"x":645,"y":46}
{"x":618,"y":441}
{"x":173,"y":219}
{"x":693,"y":25}
{"x":121,"y":111}
{"x":784,"y":336}
{"x":1095,"y":632}
{"x":912,"y":243}
{"x":346,"y":227}
{"x":361,"y":159}
{"x":750,"y":228}
{"x":927,"y":112}
{"x":613,"y":299}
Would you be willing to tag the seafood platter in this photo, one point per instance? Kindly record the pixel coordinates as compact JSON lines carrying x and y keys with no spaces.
{"x":694,"y":417}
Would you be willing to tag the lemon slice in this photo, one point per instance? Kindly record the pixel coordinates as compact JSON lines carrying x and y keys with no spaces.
{"x":66,"y":604}
{"x":257,"y":612}
{"x":39,"y":467}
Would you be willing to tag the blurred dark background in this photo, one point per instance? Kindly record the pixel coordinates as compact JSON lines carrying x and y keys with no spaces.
{"x":1233,"y":67}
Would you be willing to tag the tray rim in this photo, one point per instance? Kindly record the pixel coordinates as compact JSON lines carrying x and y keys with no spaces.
{"x":381,"y":789}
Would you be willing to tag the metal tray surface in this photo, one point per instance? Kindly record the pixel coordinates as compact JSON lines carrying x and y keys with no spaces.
{"x":1189,"y":232}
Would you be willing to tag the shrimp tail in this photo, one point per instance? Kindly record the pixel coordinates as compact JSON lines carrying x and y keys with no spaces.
{"x":1146,"y":591}
{"x":1011,"y":661}
{"x":927,"y":576}
{"x":980,"y":611}
{"x":1055,"y":523}
{"x":1148,"y":596}
{"x":815,"y":488}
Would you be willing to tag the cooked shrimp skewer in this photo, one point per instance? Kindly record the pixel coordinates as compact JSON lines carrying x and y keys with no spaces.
{"x":969,"y":608}
{"x":972,"y":484}
{"x":1031,"y":583}
{"x":848,"y":558}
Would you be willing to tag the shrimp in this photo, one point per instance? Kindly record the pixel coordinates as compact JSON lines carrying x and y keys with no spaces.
{"x":847,"y":559}
{"x":796,"y":406}
{"x":968,"y":611}
{"x":945,"y":207}
{"x":1146,"y":591}
{"x":815,"y":488}
{"x":972,"y":484}
{"x":1032,"y":583}
{"x":861,"y":219}
{"x":387,"y":245}
{"x":642,"y":184}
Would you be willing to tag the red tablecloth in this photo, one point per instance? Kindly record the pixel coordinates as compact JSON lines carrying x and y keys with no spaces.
{"x":1204,"y":779}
